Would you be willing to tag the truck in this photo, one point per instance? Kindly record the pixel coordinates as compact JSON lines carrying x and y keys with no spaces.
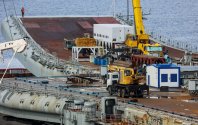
{"x":123,"y":82}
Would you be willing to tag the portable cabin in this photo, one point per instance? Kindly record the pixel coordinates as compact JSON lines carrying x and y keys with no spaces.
{"x":159,"y":75}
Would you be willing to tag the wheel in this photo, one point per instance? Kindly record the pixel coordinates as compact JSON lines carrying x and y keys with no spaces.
{"x":110,"y":90}
{"x":123,"y":93}
{"x":119,"y":92}
{"x":139,"y":94}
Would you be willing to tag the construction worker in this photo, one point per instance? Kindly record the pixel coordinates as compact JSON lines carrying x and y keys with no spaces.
{"x":22,"y":11}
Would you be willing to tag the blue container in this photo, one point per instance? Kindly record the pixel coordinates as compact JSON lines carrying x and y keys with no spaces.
{"x":103,"y":62}
{"x":97,"y":61}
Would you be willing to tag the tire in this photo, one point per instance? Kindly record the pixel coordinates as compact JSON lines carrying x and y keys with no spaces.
{"x":110,"y":90}
{"x":119,"y":93}
{"x":139,"y":94}
{"x":123,"y":93}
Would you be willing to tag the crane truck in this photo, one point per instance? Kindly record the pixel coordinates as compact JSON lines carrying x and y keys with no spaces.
{"x":123,"y":82}
{"x":140,"y":39}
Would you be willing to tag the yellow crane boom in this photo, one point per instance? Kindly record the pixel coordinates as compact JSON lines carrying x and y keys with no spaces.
{"x":140,"y":39}
{"x":138,"y":22}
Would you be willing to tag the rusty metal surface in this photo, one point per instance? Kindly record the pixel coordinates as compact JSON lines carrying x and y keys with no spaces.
{"x":49,"y":33}
{"x":174,"y":53}
{"x":175,"y":106}
{"x":145,"y":59}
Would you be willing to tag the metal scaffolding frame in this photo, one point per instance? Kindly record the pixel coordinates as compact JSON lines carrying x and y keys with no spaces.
{"x":76,"y":51}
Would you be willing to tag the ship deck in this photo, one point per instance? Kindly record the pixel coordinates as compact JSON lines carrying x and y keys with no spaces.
{"x":49,"y":33}
{"x":175,"y":101}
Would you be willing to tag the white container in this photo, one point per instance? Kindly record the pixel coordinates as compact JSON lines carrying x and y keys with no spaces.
{"x":91,"y":57}
{"x":163,"y":75}
{"x":107,"y":35}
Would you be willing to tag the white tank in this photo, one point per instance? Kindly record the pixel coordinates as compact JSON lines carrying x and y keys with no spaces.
{"x":26,"y":101}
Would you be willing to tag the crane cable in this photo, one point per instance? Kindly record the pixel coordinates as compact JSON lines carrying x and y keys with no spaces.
{"x":14,"y":8}
{"x":7,"y":18}
{"x":8,"y":66}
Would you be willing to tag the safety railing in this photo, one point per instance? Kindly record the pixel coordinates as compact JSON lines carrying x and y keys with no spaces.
{"x":182,"y":45}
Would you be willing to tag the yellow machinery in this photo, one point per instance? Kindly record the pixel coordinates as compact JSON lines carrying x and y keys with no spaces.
{"x":85,"y":42}
{"x":122,"y":81}
{"x":141,"y":39}
{"x":125,"y":74}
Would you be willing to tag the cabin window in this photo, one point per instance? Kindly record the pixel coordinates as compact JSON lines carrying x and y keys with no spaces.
{"x":127,"y":72}
{"x":173,"y":77}
{"x":164,"y":77}
{"x":115,"y":76}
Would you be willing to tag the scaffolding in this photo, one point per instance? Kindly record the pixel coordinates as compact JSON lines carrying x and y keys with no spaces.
{"x":76,"y":51}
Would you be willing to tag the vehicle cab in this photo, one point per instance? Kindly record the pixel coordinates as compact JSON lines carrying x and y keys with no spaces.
{"x":153,"y":50}
{"x":112,"y":78}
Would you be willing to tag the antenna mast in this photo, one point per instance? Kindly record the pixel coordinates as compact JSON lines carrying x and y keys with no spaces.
{"x":127,"y":10}
{"x":114,"y":7}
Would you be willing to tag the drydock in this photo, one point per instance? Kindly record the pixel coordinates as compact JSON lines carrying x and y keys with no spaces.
{"x":98,"y":70}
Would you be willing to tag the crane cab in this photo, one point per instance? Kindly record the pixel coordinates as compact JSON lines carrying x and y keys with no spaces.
{"x":120,"y":74}
{"x":112,"y":78}
{"x":152,"y":49}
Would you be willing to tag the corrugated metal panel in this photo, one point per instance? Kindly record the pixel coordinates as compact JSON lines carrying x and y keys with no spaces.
{"x":188,"y":68}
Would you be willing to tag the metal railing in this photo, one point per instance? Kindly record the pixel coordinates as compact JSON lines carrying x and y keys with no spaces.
{"x":182,"y":45}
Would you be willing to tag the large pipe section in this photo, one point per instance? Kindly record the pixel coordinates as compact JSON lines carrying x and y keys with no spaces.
{"x":32,"y":102}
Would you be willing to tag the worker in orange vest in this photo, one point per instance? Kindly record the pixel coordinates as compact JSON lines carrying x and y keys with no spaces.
{"x":22,"y":11}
